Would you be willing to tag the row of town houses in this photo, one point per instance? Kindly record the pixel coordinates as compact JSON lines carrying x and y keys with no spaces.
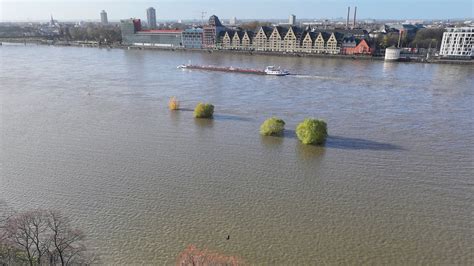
{"x":294,"y":39}
{"x":214,"y":35}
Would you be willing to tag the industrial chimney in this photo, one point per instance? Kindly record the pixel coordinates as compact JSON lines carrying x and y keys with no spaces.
{"x":348,"y":14}
{"x":355,"y":14}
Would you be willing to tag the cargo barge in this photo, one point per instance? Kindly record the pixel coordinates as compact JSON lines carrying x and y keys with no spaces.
{"x":270,"y":70}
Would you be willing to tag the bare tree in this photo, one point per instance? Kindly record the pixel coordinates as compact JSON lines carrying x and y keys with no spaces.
{"x":67,"y":242}
{"x":42,"y":237}
{"x":20,"y":233}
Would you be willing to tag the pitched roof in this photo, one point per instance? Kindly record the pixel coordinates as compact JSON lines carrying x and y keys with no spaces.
{"x":221,"y":35}
{"x":324,"y":34}
{"x":312,"y":35}
{"x":239,"y":33}
{"x":267,"y":30}
{"x":249,"y":33}
{"x":352,"y":41}
{"x":281,"y":31}
{"x":214,"y":21}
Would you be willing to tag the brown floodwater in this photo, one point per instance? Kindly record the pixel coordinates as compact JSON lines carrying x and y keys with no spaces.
{"x":87,"y":131}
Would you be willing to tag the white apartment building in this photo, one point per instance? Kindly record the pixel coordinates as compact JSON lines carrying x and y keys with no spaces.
{"x":458,"y":42}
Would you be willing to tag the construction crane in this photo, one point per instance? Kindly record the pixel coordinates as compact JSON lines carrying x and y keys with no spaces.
{"x":203,"y":15}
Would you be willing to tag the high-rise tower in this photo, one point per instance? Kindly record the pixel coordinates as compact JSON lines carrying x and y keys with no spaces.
{"x":103,"y":17}
{"x":151,"y":17}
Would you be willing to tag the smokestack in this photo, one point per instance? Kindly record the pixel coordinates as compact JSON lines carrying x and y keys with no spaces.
{"x":348,"y":14}
{"x":355,"y":14}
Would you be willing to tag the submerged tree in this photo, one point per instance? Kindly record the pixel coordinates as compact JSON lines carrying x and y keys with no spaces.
{"x":204,"y":110}
{"x":312,"y":131}
{"x":173,"y":104}
{"x":272,"y":127}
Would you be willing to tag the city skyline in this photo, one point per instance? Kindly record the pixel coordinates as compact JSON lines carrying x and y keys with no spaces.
{"x":69,"y":10}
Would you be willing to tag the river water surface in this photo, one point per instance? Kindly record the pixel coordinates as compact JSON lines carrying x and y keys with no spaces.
{"x":87,"y":131}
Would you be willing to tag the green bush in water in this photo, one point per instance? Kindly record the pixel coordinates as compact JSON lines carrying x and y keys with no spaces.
{"x":272,"y":127}
{"x":204,"y":110}
{"x":312,"y":131}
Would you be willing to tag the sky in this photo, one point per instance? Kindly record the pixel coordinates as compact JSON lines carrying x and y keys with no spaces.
{"x":74,"y":10}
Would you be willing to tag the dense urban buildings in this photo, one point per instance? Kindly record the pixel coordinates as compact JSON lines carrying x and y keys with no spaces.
{"x":291,"y":39}
{"x":103,"y":17}
{"x":458,"y":42}
{"x":406,"y":39}
{"x":151,"y":17}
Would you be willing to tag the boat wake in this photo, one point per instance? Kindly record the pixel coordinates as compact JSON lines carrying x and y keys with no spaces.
{"x":315,"y":77}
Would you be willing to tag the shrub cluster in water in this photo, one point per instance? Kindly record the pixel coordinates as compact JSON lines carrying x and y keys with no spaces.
{"x":312,"y":131}
{"x":272,"y":127}
{"x":173,"y":104}
{"x":204,"y":110}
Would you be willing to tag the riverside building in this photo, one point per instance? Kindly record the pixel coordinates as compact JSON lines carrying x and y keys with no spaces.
{"x":192,"y":38}
{"x":458,"y":43}
{"x":211,"y":32}
{"x":132,"y":34}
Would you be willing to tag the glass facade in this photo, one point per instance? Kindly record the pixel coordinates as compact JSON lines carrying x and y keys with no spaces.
{"x":192,"y":38}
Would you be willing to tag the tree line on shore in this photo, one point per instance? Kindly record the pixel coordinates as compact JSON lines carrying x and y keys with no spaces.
{"x":424,"y":38}
{"x":107,"y":34}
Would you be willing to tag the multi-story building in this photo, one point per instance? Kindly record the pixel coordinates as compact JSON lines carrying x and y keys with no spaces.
{"x":246,"y":40}
{"x":292,"y":40}
{"x":161,"y":38}
{"x":332,"y":44}
{"x":211,"y":32}
{"x":129,"y":27}
{"x":458,"y":42}
{"x":192,"y":38}
{"x":292,"y":20}
{"x":320,"y":42}
{"x":260,"y":41}
{"x":132,"y":34}
{"x":307,"y":43}
{"x":276,"y":39}
{"x":237,"y":40}
{"x":103,"y":17}
{"x":226,"y":39}
{"x":151,"y":17}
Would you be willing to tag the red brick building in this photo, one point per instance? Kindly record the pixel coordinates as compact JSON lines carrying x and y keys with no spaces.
{"x":356,"y":47}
